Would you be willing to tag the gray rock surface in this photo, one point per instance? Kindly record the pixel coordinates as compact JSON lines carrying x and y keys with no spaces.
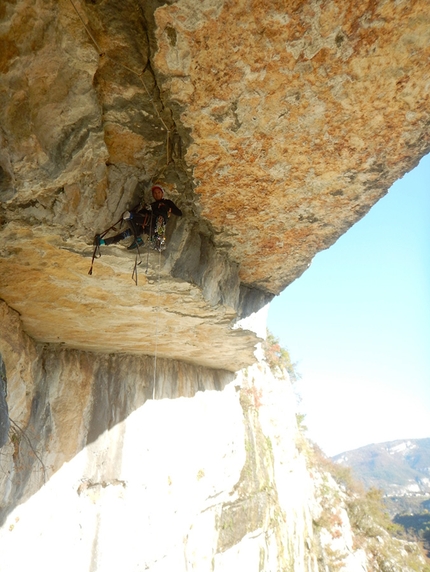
{"x":273,"y":130}
{"x":4,"y":410}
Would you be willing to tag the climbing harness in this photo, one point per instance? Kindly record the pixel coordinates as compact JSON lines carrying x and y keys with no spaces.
{"x":159,"y":242}
{"x":157,"y":309}
{"x":157,"y":239}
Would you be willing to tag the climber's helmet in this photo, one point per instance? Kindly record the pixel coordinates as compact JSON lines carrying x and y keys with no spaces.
{"x":157,"y":192}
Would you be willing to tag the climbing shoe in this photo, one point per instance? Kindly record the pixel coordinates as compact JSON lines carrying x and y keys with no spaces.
{"x":136,"y":243}
{"x":98,"y":241}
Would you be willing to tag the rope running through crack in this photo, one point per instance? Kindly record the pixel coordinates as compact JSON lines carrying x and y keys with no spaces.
{"x":139,"y":75}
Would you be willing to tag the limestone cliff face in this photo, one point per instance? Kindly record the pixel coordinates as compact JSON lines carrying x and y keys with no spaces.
{"x":193,"y":472}
{"x":274,"y":128}
{"x":115,"y":463}
{"x":194,"y":479}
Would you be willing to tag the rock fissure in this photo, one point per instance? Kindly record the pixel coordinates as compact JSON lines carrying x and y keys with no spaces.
{"x":274,"y":130}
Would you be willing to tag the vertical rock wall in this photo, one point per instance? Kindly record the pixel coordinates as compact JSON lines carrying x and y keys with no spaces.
{"x":62,"y":400}
{"x":97,"y":475}
{"x":4,"y":412}
{"x":102,"y":470}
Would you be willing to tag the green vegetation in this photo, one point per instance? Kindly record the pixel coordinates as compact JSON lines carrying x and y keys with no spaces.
{"x":339,"y":494}
{"x":393,"y":467}
{"x":371,"y":524}
{"x":255,"y":494}
{"x":407,"y":504}
{"x":416,"y":527}
{"x":278,"y":358}
{"x":300,"y":419}
{"x":382,"y":465}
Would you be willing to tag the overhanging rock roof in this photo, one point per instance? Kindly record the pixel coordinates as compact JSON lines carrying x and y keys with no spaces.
{"x":274,"y":128}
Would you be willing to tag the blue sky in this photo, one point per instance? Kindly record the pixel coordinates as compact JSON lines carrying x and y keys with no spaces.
{"x":358,"y":324}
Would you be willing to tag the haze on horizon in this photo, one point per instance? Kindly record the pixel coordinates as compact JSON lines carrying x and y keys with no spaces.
{"x":358,"y":324}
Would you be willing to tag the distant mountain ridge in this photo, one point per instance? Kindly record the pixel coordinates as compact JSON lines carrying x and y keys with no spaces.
{"x":399,"y":468}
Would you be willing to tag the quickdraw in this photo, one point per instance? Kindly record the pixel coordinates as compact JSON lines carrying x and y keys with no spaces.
{"x":97,"y":253}
{"x":157,"y":240}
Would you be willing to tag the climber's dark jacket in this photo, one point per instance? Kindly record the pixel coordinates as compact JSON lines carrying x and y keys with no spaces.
{"x":143,"y":220}
{"x":162,"y":207}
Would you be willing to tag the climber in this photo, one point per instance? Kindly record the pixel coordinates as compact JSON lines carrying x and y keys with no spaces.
{"x":150,"y":220}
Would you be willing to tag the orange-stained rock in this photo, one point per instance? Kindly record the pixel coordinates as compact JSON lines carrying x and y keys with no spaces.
{"x":301,"y":115}
{"x":274,"y":127}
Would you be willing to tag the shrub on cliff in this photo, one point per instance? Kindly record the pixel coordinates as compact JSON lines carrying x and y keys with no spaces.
{"x":278,"y":358}
{"x":371,"y":527}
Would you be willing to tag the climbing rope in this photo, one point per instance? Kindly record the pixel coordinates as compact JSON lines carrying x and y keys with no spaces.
{"x":97,"y":253}
{"x":157,"y":309}
{"x":131,"y":70}
{"x":148,"y":242}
